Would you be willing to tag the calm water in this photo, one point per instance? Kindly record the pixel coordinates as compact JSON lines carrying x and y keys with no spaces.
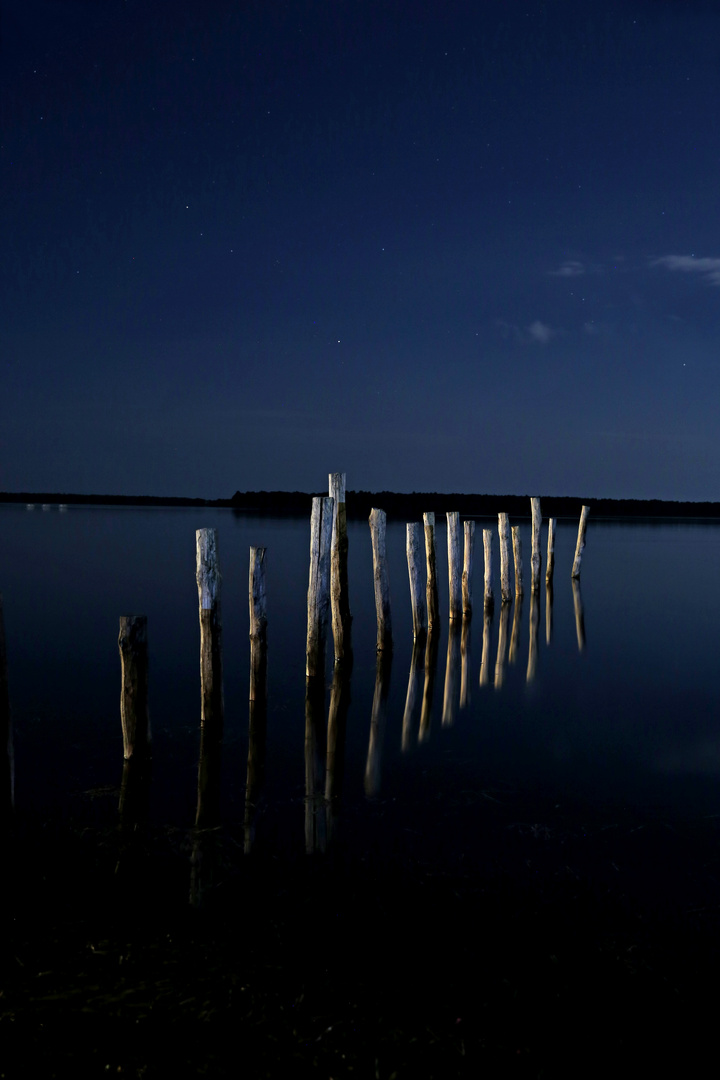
{"x":631,"y":718}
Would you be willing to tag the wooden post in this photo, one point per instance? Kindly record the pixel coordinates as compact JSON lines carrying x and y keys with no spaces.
{"x":580,"y":541}
{"x":257,"y":707}
{"x":211,"y":677}
{"x":454,"y":571}
{"x":413,"y":540}
{"x":504,"y":534}
{"x":535,"y":558}
{"x":550,"y":550}
{"x":487,"y":548}
{"x":469,"y":538}
{"x":433,"y":598}
{"x":132,"y":642}
{"x":380,"y":576}
{"x":339,"y":600}
{"x":6,"y":747}
{"x":517,"y":555}
{"x":452,"y":670}
{"x":319,"y":585}
{"x":502,"y":645}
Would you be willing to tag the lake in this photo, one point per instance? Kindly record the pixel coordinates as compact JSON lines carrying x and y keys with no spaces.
{"x":516,"y":866}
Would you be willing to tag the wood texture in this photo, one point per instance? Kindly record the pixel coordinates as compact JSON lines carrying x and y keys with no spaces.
{"x":413,"y":545}
{"x":133,"y":646}
{"x":454,"y":565}
{"x":381,"y":581}
{"x":319,"y":585}
{"x":580,"y":546}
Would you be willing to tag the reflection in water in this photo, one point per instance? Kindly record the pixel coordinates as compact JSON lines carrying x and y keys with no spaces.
{"x":515,"y":636}
{"x":534,"y":626}
{"x":337,"y":726}
{"x":6,"y":755}
{"x":502,"y":645}
{"x":432,"y":647}
{"x":579,"y":614}
{"x":207,"y":815}
{"x":485,"y":659}
{"x":466,"y":663}
{"x":373,"y":767}
{"x":413,"y":691}
{"x":133,"y":812}
{"x":548,"y":610}
{"x":315,"y":824}
{"x":452,"y":672}
{"x":257,"y":735}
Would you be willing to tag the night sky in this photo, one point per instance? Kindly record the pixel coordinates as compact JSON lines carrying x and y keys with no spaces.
{"x":437,"y":245}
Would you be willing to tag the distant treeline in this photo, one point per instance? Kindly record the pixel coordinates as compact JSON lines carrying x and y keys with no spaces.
{"x":398,"y":506}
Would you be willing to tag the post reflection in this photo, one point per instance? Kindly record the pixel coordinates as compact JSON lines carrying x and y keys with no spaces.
{"x":465,"y":662}
{"x":517,"y":622}
{"x":257,"y":737}
{"x":452,"y":673}
{"x":315,"y":752}
{"x":487,"y":633}
{"x":373,"y":766}
{"x":415,"y":679}
{"x":502,"y":645}
{"x":6,"y":754}
{"x":534,"y":628}
{"x":548,"y":610}
{"x":579,"y":614}
{"x":432,"y":648}
{"x":336,"y":728}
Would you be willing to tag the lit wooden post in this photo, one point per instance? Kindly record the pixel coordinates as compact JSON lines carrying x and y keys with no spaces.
{"x":582,"y":527}
{"x":535,"y":558}
{"x":257,"y":598}
{"x":133,"y":646}
{"x":211,"y":679}
{"x":487,"y":548}
{"x":469,"y":544}
{"x":433,"y":599}
{"x":550,"y":550}
{"x":380,"y":577}
{"x":517,"y":556}
{"x":504,"y":535}
{"x":319,"y":585}
{"x":413,"y":531}
{"x":339,"y":599}
{"x":454,"y":571}
{"x":6,"y":755}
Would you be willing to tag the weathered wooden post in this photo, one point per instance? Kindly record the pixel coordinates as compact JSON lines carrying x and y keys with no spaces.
{"x":211,"y":676}
{"x":433,"y":597}
{"x":469,"y":544}
{"x":257,"y":707}
{"x":413,"y":692}
{"x":550,"y":550}
{"x":465,"y":663}
{"x":534,"y":624}
{"x":515,"y":635}
{"x":6,"y":749}
{"x":579,"y":547}
{"x":485,"y":659}
{"x":318,"y":586}
{"x":579,"y":614}
{"x":517,"y":556}
{"x":380,"y":576}
{"x":535,"y":558}
{"x":413,"y":540}
{"x":502,"y":645}
{"x":487,"y":548}
{"x":454,"y":570}
{"x":504,"y":535}
{"x":339,"y":598}
{"x":133,"y":646}
{"x":373,"y":766}
{"x":452,"y":670}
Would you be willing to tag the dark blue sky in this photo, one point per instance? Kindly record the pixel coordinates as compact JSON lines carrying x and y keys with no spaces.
{"x":456,"y":246}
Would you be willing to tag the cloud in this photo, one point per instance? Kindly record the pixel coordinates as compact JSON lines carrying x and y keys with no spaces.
{"x":536,"y":332}
{"x":541,"y":332}
{"x":708,"y":269}
{"x":570,"y":268}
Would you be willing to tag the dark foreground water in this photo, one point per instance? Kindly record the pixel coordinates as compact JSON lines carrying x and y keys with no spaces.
{"x":514,"y":859}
